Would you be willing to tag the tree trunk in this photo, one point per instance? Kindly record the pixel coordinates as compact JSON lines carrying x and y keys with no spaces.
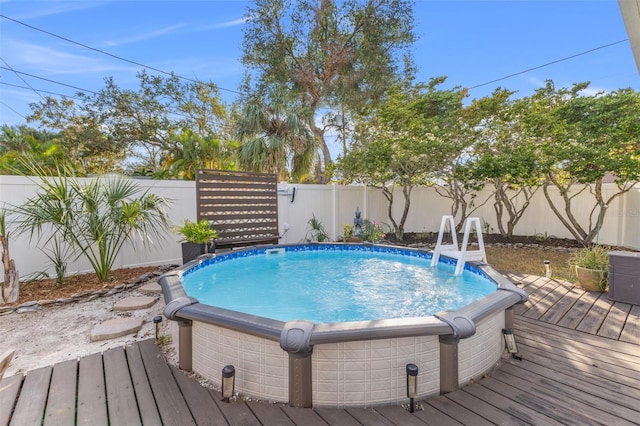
{"x":10,"y":290}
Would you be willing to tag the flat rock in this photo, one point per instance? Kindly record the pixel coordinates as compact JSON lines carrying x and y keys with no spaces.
{"x":134,"y":303}
{"x":117,"y":327}
{"x":151,"y":287}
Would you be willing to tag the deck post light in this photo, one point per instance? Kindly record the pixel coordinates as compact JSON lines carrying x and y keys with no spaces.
{"x":228,"y":382}
{"x":510,"y":340}
{"x":412,"y":385}
{"x":157,"y":320}
{"x":547,"y":267}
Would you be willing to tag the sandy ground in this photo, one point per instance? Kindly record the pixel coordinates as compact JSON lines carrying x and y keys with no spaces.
{"x":58,"y":333}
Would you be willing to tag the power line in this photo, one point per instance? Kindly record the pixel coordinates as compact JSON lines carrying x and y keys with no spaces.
{"x":110,"y":54}
{"x":39,"y":90}
{"x":549,"y":63}
{"x":49,"y":80}
{"x":1,"y":102}
{"x":20,"y":77}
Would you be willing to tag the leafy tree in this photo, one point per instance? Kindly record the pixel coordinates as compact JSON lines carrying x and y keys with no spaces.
{"x":584,"y":139}
{"x":95,"y":218}
{"x":406,"y":141}
{"x":80,"y":139}
{"x":276,"y":140}
{"x":190,"y":152}
{"x":117,"y":124}
{"x":505,"y":156}
{"x":327,"y":55}
{"x":22,"y":143}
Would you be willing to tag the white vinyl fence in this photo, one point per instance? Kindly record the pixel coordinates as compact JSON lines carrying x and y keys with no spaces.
{"x":334,"y":206}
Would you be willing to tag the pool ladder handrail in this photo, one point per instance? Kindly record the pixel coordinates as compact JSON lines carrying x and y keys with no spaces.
{"x":452,"y":250}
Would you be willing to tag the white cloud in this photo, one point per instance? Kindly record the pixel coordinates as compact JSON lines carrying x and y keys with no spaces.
{"x":57,"y":8}
{"x":45,"y":60}
{"x":145,"y":36}
{"x":227,"y":24}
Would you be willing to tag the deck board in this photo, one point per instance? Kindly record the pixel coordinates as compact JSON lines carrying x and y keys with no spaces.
{"x":303,"y":416}
{"x":456,"y":411}
{"x":268,"y":416}
{"x":203,"y":409}
{"x":92,"y":398}
{"x":235,"y":413}
{"x":169,"y":400}
{"x":579,"y":310}
{"x":434,"y":417}
{"x":121,"y":398}
{"x":631,"y":330}
{"x":613,"y":323}
{"x":596,"y":315}
{"x":144,"y":396}
{"x":580,"y":366}
{"x":9,"y":390}
{"x":33,"y":398}
{"x":61,"y":402}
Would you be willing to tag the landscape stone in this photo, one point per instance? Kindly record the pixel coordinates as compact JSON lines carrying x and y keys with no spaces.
{"x":26,"y":309}
{"x":134,"y":303}
{"x":116,"y":327}
{"x":151,"y":287}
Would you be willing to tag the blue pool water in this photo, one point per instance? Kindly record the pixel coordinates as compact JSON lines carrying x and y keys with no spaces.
{"x":333,"y":285}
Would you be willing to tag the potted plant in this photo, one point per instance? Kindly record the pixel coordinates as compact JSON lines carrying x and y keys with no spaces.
{"x":591,"y":267}
{"x":197,"y":239}
{"x":349,"y":237}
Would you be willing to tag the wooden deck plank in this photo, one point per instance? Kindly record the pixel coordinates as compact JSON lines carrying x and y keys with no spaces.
{"x":596,"y":315}
{"x":92,"y":397}
{"x":336,"y":417}
{"x":33,"y":397}
{"x":144,"y":395}
{"x":9,"y":390}
{"x":585,"y":407}
{"x":579,"y":310}
{"x":510,"y":406}
{"x":603,"y":390}
{"x":612,"y":326}
{"x":550,"y":409}
{"x":631,"y":331}
{"x":536,"y":294}
{"x":61,"y":403}
{"x":618,"y":349}
{"x":368,"y":417}
{"x":458,"y":412}
{"x":558,"y":359}
{"x":121,"y":398}
{"x":169,"y":400}
{"x":435,"y":417}
{"x":236,"y":412}
{"x":562,"y":306}
{"x":547,"y":302}
{"x":399,"y":416}
{"x":484,"y":409}
{"x":203,"y":409}
{"x":303,"y":416}
{"x":269,"y":414}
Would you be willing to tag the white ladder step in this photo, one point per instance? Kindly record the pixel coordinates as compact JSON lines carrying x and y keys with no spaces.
{"x":452,"y":250}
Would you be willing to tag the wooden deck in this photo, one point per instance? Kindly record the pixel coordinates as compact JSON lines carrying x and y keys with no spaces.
{"x":578,"y":368}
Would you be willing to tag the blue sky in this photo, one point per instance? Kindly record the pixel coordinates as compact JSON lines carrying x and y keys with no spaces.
{"x":471,"y":42}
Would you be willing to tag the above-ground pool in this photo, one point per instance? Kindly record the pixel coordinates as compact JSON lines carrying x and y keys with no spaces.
{"x":298,"y":324}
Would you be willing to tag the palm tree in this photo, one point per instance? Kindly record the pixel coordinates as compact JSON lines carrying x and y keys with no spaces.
{"x":276,"y":140}
{"x":95,"y":218}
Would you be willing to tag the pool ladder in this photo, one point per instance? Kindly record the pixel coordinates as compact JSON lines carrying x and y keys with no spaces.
{"x":452,"y":250}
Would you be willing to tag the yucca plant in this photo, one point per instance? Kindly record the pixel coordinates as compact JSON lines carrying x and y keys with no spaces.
{"x":96,"y":219}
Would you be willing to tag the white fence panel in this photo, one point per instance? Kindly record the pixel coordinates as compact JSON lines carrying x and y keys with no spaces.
{"x":334,"y":206}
